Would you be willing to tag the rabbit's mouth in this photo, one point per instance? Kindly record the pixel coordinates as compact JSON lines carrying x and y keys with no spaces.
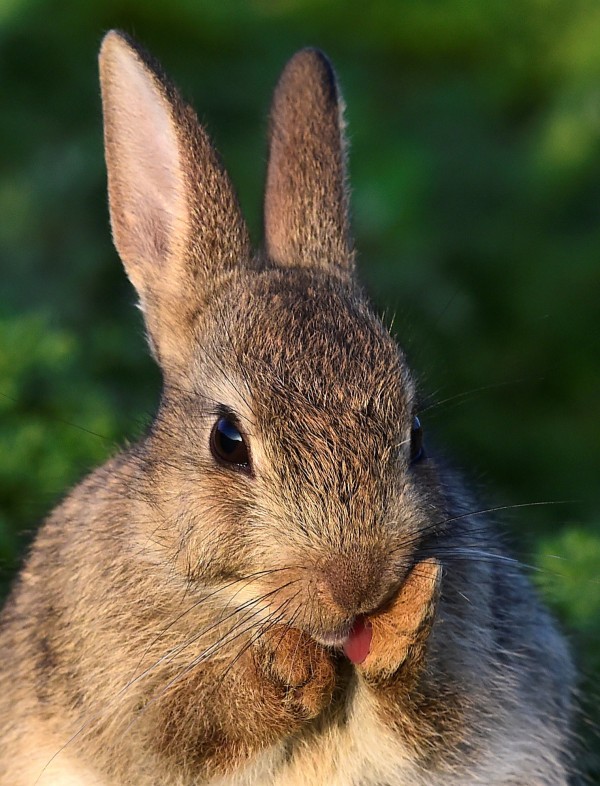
{"x":335,"y":638}
{"x":355,"y":641}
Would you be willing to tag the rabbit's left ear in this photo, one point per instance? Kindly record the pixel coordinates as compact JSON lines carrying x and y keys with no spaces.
{"x":306,"y":199}
{"x":176,"y":221}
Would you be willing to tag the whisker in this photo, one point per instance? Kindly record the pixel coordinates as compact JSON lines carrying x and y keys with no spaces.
{"x":263,"y":630}
{"x":209,"y":652}
{"x":166,"y":657}
{"x":197,"y":603}
{"x":465,"y":395}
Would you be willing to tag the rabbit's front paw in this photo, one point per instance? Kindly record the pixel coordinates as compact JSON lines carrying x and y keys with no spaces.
{"x":299,"y":668}
{"x":400,"y":630}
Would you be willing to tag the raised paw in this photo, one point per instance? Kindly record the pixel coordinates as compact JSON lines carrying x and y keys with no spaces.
{"x":400,"y":629}
{"x":298,"y":667}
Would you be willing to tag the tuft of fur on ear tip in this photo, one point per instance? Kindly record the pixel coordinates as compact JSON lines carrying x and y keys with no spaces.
{"x":306,"y":200}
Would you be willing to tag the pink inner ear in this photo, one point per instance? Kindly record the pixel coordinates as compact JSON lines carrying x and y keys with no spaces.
{"x":358,"y":645}
{"x":146,"y":184}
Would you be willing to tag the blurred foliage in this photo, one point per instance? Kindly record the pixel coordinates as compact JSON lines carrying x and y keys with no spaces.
{"x":475,"y":161}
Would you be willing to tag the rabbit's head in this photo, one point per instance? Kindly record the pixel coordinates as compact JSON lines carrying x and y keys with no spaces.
{"x":285,"y":465}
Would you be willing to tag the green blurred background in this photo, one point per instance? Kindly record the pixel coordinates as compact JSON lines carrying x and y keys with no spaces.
{"x":475,"y":164}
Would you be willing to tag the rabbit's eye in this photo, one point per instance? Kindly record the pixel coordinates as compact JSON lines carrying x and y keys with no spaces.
{"x":227,"y":444}
{"x":416,"y":441}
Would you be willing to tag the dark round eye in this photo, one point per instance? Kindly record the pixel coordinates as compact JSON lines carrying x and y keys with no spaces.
{"x":416,"y":441}
{"x":227,"y":444}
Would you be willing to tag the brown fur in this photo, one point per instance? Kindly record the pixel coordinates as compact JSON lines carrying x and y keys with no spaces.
{"x":176,"y":620}
{"x":307,"y":125}
{"x":401,"y":627}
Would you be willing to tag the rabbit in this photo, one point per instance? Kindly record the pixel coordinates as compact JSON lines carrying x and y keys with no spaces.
{"x":278,"y":584}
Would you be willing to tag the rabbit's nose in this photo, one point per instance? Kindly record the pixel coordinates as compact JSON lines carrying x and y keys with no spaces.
{"x":354,"y":585}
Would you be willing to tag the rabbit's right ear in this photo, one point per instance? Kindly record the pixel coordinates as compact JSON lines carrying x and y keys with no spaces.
{"x":176,"y":221}
{"x":306,"y":197}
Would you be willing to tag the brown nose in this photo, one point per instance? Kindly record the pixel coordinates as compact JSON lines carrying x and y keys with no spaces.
{"x":356,"y":585}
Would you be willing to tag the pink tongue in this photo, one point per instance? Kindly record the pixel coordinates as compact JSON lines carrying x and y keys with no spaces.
{"x":359,"y":641}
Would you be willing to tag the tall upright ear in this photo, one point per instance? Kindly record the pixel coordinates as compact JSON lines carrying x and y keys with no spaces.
{"x":176,"y":221}
{"x":306,"y":199}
